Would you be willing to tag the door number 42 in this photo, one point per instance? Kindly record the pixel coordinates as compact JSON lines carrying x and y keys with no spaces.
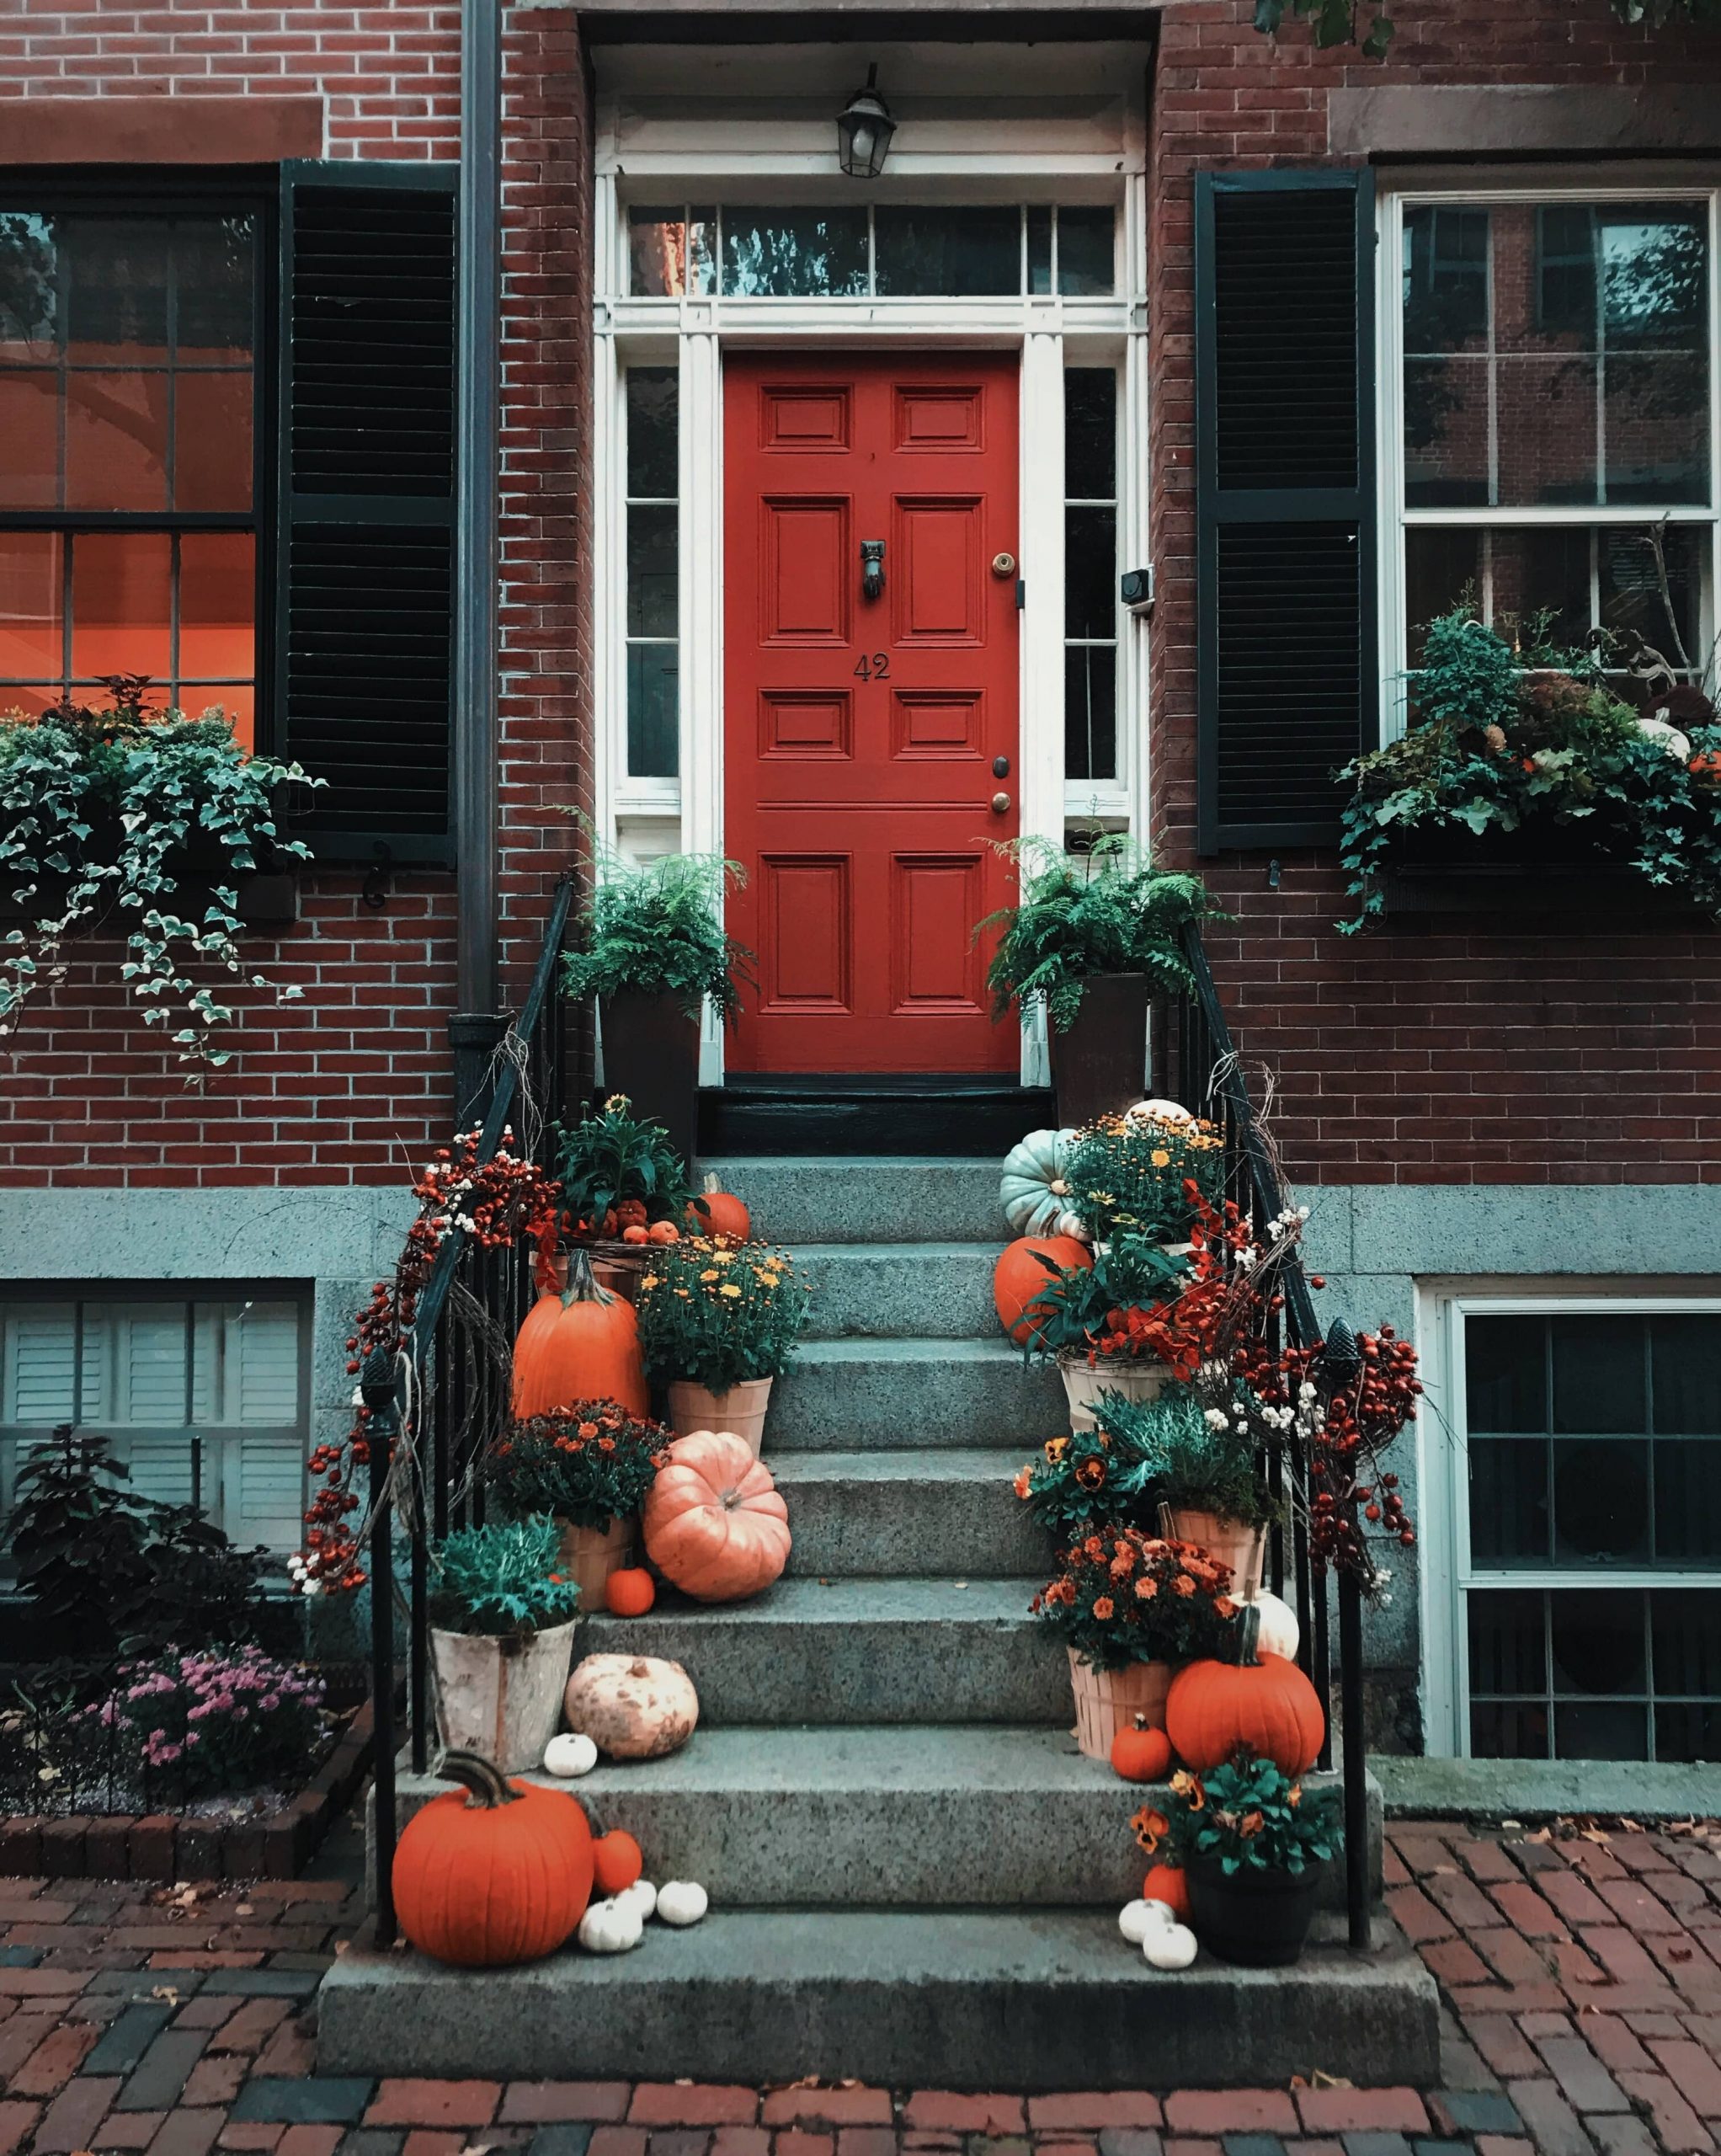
{"x":875,"y":667}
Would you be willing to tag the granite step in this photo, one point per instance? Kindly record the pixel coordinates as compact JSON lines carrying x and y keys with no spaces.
{"x":851,"y":1396}
{"x":828,"y":1198}
{"x":913,"y":1515}
{"x":939,"y":1290}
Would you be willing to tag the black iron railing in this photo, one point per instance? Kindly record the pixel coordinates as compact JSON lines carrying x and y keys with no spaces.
{"x":1197,"y":1064}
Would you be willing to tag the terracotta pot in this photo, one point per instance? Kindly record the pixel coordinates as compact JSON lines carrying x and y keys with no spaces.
{"x":1107,"y":1700}
{"x":615,"y":1266}
{"x":1099,"y":1065}
{"x":1084,"y":1382}
{"x":740,"y":1409}
{"x":591,"y":1556}
{"x":501,"y":1697}
{"x":1244,"y":1549}
{"x":651,"y":1053}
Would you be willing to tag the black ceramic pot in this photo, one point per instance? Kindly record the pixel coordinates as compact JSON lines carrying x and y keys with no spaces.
{"x":1259,"y":1919}
{"x":1099,"y":1065}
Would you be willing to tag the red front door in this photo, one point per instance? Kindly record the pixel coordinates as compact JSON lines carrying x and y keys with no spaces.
{"x":870,"y":730}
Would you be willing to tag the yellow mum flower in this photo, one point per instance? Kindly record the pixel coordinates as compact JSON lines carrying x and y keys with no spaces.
{"x":729,"y":1288}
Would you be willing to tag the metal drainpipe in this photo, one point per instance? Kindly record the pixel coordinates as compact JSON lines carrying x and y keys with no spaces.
{"x":477,"y":1023}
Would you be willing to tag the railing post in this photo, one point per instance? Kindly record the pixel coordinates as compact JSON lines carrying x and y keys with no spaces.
{"x":1356,"y":1897}
{"x":377,"y":1386}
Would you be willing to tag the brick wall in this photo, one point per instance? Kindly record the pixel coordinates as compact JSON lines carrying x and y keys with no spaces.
{"x":1481,"y":1056}
{"x":352,"y":1083}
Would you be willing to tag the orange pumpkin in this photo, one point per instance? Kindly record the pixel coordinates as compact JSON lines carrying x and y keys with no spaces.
{"x":616,"y":1862}
{"x":1166,"y":1883}
{"x":633,"y":1233}
{"x":662,"y":1232}
{"x":1141,"y":1754}
{"x":714,"y":1524}
{"x":580,"y":1344}
{"x":630,"y":1592}
{"x":494,"y":1871}
{"x":1018,"y":1276}
{"x":717,"y":1212}
{"x":631,"y":1212}
{"x":1264,"y":1708}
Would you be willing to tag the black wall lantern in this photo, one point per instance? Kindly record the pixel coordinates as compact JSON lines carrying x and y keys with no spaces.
{"x":864,"y":130}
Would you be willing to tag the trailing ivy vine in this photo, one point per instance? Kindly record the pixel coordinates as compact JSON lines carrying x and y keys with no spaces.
{"x":98,"y":809}
{"x":1368,"y":24}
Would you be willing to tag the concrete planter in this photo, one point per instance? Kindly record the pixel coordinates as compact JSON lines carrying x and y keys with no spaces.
{"x":741,"y":1409}
{"x":1244,"y":1549}
{"x":501,"y":1697}
{"x":592,"y":1554}
{"x":1107,"y":1700}
{"x":1084,"y":1382}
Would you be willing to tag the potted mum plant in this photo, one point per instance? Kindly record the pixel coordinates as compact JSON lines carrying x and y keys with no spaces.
{"x":1097,"y":1322}
{"x":1091,"y":938}
{"x":623,"y":1186}
{"x":718,"y":1321}
{"x":1129,"y":1606}
{"x":503,"y":1613}
{"x":652,"y":951}
{"x":1253,"y":1850}
{"x":1146,"y":1173}
{"x":591,"y":1468}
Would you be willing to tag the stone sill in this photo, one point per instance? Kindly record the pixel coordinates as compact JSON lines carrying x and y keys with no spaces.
{"x":1544,"y":1789}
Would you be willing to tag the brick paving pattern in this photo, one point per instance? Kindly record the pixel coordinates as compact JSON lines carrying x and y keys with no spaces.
{"x":1581,"y":1982}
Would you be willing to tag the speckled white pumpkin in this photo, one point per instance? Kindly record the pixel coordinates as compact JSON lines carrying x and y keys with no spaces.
{"x":569,"y":1755}
{"x":631,"y":1706}
{"x":682,"y":1901}
{"x":611,"y":1927}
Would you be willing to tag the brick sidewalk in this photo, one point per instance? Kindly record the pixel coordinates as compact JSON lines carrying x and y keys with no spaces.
{"x":1582,"y":1980}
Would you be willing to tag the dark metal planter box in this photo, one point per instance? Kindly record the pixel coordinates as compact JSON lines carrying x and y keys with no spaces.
{"x":1552,"y":877}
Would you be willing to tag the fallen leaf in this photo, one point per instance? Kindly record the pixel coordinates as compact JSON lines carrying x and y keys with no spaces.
{"x":166,"y":1994}
{"x":1322,"y":2079}
{"x":244,"y":1909}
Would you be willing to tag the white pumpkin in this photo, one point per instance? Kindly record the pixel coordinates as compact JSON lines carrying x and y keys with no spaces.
{"x":1158,"y":1111}
{"x":569,"y":1755}
{"x":1139,"y":1920}
{"x":611,"y":1927}
{"x":682,"y":1901}
{"x":1172,"y":1947}
{"x":1031,"y":1189}
{"x":1280,"y":1632}
{"x":1072,"y":1223}
{"x":641,"y":1895}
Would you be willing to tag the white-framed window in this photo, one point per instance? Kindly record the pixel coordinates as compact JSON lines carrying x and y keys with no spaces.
{"x":652,"y":513}
{"x":204,"y":1395}
{"x":1090,"y":601}
{"x":1574,"y":1571}
{"x":1551,"y":414}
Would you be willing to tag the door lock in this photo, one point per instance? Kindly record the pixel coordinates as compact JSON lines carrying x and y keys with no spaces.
{"x":1000,"y":804}
{"x":1000,"y":767}
{"x":872,"y":569}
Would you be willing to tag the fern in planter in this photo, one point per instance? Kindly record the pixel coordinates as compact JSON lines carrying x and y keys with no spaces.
{"x":656,"y":927}
{"x":98,"y":810}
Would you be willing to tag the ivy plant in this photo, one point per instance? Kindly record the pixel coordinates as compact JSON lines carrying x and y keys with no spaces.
{"x":1366,"y":23}
{"x":98,"y":809}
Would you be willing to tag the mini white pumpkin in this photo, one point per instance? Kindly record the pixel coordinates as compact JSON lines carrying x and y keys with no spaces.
{"x":1171,"y":1947}
{"x":1138,"y":1921}
{"x":1158,"y":1111}
{"x":1032,"y":1189}
{"x":1280,"y":1632}
{"x":569,"y":1755}
{"x":1072,"y":1223}
{"x":682,"y":1901}
{"x":611,"y":1927}
{"x":641,"y":1895}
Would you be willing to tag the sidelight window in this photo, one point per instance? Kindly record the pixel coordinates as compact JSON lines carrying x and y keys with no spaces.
{"x":653,"y":575}
{"x":1090,"y":573}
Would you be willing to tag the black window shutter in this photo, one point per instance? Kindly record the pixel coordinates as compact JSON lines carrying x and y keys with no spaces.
{"x":1284,"y":486}
{"x":363,"y":615}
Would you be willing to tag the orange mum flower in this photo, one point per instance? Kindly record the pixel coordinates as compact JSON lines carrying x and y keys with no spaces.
{"x":1104,"y":1609}
{"x":1146,"y":1589}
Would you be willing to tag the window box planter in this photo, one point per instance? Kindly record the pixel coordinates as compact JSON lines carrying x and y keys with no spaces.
{"x":1559,"y":876}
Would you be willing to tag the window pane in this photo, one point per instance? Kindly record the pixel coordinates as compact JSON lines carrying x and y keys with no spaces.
{"x":214,"y":292}
{"x":1600,"y":1502}
{"x":116,"y":290}
{"x":31,"y":573}
{"x":212,"y":450}
{"x":1505,"y":1372}
{"x":1445,"y":278}
{"x":217,"y":604}
{"x":116,"y":440}
{"x":121,"y":604}
{"x":235,"y":701}
{"x":28,"y":306}
{"x":1545,"y":431}
{"x":1090,"y":571}
{"x":961,"y":252}
{"x":1598,"y":1374}
{"x":651,"y":580}
{"x":1654,"y":278}
{"x":1445,"y":433}
{"x":1685,"y":1642}
{"x":672,"y":253}
{"x":653,"y":748}
{"x":1601,"y":1732}
{"x":1091,"y":711}
{"x":1039,"y":250}
{"x":1598,"y":1643}
{"x":1085,"y":250}
{"x":1509,"y":1730}
{"x":29,"y":444}
{"x":1090,"y":433}
{"x":1442,"y":567}
{"x":652,"y":431}
{"x":1657,"y":427}
{"x":795,"y":254}
{"x":1508,"y":1510}
{"x":1688,"y":1501}
{"x":1630,"y":583}
{"x":1685,"y":1357}
{"x":1688,"y":1733}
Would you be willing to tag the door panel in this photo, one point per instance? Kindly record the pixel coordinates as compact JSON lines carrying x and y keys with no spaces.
{"x":861,"y":733}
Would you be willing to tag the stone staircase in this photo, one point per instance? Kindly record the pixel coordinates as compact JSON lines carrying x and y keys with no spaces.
{"x":914,"y":1875}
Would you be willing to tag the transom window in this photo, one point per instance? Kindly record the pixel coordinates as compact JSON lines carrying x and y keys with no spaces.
{"x":1556,"y":450}
{"x":128,"y":450}
{"x":1590,"y":1586}
{"x":897,"y":251}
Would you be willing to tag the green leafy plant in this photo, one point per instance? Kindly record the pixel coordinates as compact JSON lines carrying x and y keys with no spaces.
{"x":656,"y":927}
{"x":717,"y":1313}
{"x":1081,"y":1307}
{"x":592,"y":1464}
{"x":1106,"y":911}
{"x":1121,"y":1596}
{"x":1248,"y":1816}
{"x":1348,"y":22}
{"x":99,"y":810}
{"x":1195,"y":1462}
{"x":502,"y":1579}
{"x":605,"y":1160}
{"x":1089,"y":1479}
{"x":1506,"y":738}
{"x":1140,"y":1175}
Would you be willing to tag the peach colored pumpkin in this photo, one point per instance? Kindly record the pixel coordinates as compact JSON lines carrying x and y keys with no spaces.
{"x":714,"y":1524}
{"x":632,"y":1706}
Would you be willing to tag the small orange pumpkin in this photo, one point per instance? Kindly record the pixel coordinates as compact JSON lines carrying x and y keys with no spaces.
{"x":631,"y":1212}
{"x":718,"y":1212}
{"x":1020,"y":1276}
{"x":1166,"y":1883}
{"x":1265,"y":1708}
{"x":494,"y":1871}
{"x":633,"y":1233}
{"x":581,"y":1343}
{"x":1141,"y":1754}
{"x":714,"y":1524}
{"x":616,"y":1862}
{"x":630,"y":1592}
{"x":662,"y":1232}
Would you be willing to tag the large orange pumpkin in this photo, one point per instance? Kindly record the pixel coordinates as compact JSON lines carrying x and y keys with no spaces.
{"x":714,"y":1522}
{"x":581,"y":1343}
{"x":718,"y":1212}
{"x":1264,"y":1708}
{"x":1018,"y":1276}
{"x":494,"y":1871}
